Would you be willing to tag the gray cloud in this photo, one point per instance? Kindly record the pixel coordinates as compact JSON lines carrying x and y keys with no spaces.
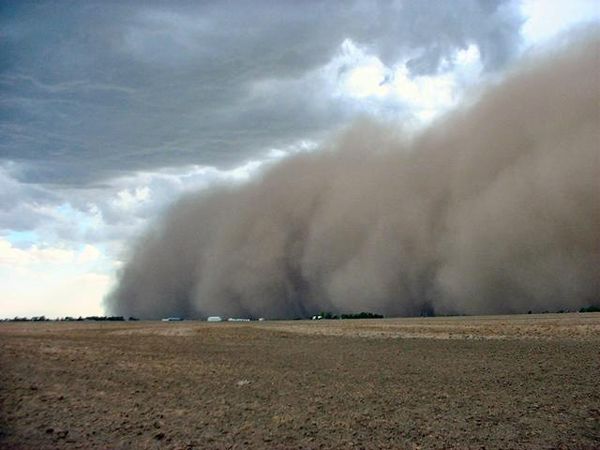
{"x":494,"y":209}
{"x":112,"y":212}
{"x":96,"y":90}
{"x":22,"y":206}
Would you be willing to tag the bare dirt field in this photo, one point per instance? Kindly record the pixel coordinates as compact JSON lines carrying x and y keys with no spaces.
{"x":529,"y":381}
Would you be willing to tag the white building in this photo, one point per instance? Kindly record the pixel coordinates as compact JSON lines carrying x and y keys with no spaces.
{"x":214,"y":319}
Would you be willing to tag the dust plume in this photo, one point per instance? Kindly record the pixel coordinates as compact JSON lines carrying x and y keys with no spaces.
{"x":493,"y":209}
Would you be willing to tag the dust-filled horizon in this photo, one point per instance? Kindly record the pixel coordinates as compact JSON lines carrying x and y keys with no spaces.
{"x":495,"y":208}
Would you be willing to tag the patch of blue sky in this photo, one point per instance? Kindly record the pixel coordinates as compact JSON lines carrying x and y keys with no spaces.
{"x":22,"y":239}
{"x":81,"y":222}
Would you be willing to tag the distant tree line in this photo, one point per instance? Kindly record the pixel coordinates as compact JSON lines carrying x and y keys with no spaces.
{"x":26,"y":319}
{"x":69,"y":319}
{"x":361,"y":315}
{"x":593,"y":308}
{"x":322,"y":315}
{"x":586,"y":309}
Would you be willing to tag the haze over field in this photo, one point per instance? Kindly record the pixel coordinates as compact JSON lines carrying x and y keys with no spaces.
{"x":493,"y":209}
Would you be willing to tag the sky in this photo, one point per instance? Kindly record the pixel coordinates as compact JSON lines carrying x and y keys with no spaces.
{"x":110,"y":111}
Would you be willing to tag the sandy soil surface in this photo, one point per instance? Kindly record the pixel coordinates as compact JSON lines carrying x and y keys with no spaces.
{"x":495,"y":382}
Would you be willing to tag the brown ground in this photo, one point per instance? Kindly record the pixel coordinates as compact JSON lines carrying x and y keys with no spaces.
{"x":495,"y":382}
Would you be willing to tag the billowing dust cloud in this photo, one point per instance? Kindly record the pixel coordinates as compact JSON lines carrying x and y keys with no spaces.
{"x":493,"y":209}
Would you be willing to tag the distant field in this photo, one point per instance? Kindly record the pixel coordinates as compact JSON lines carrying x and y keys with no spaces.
{"x":529,"y":381}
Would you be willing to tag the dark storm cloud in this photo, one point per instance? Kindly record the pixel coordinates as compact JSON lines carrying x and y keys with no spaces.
{"x":93,"y":90}
{"x":494,"y":209}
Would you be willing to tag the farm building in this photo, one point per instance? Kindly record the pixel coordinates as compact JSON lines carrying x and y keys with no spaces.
{"x":214,"y":319}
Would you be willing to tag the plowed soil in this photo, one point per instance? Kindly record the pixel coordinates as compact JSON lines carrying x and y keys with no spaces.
{"x":496,"y":382}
